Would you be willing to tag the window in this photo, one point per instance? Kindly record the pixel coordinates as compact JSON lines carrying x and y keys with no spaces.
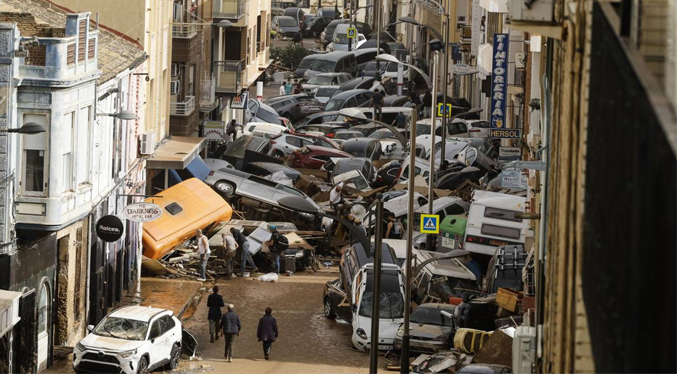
{"x":82,"y":144}
{"x":155,"y":330}
{"x":501,"y":231}
{"x":33,"y":157}
{"x":43,"y":309}
{"x":174,"y":209}
{"x":296,"y":142}
{"x":496,"y":213}
{"x":455,"y":209}
{"x":191,"y":80}
{"x":166,"y":324}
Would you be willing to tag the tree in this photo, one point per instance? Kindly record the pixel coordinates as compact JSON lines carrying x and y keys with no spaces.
{"x":290,"y":56}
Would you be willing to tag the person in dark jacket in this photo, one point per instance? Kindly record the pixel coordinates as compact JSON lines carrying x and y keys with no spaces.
{"x":267,"y":332}
{"x":427,"y":104}
{"x":244,"y":245}
{"x":214,"y":303}
{"x":231,"y":328}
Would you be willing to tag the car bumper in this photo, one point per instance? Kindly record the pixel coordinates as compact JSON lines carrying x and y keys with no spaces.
{"x":416,"y":345}
{"x":103,"y":364}
{"x":363,"y":345}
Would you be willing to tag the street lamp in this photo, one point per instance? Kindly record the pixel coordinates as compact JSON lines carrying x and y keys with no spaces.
{"x":124,"y":115}
{"x":29,"y":128}
{"x":390,"y":58}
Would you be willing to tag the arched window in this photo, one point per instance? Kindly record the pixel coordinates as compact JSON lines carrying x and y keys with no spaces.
{"x":43,"y":308}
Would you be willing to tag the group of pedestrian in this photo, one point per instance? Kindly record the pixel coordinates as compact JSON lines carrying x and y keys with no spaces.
{"x":229,"y":325}
{"x":287,"y":88}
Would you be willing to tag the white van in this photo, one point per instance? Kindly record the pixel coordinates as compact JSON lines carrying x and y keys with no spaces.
{"x":391,"y":303}
{"x":263,"y":129}
{"x":492,"y":222}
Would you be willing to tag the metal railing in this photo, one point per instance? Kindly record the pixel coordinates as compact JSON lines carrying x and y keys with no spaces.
{"x":184,"y":29}
{"x":207,"y":93}
{"x":228,"y":75}
{"x":228,"y":8}
{"x":182,"y":108}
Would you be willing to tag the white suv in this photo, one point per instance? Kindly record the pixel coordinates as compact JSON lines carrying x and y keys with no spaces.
{"x":132,"y":339}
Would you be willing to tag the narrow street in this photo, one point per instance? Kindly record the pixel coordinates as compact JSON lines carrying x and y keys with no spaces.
{"x":308,"y":341}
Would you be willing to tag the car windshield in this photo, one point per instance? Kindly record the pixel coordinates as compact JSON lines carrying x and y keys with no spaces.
{"x":266,"y":116}
{"x":391,"y":305}
{"x":334,"y":104}
{"x":306,"y":62}
{"x":430,"y":316}
{"x":341,"y":38}
{"x":422,"y":129}
{"x":122,"y":328}
{"x":326,"y":91}
{"x":370,"y":66}
{"x":382,"y":135}
{"x":392,"y":67}
{"x":455,"y":287}
{"x":323,"y":65}
{"x":287,"y":22}
{"x":346,"y":135}
{"x":320,"y":80}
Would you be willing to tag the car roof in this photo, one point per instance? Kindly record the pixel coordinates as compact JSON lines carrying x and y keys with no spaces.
{"x":351,"y":84}
{"x":363,"y":257}
{"x":138,"y":313}
{"x":333,"y":74}
{"x":290,"y":17}
{"x":348,"y":94}
{"x":335,"y":56}
{"x":366,"y":50}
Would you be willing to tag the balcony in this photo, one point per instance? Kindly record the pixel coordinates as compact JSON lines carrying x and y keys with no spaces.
{"x":184,"y":29}
{"x":182,"y":108}
{"x":207,"y":94}
{"x":466,"y":34}
{"x":232,"y":9}
{"x":228,"y":76}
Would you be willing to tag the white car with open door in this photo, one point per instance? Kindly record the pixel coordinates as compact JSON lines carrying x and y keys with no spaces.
{"x":132,"y":339}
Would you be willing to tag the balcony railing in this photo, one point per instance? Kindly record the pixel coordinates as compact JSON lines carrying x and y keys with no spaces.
{"x":184,"y":29}
{"x":228,"y":75}
{"x":182,"y":108}
{"x":207,"y":94}
{"x":228,"y":9}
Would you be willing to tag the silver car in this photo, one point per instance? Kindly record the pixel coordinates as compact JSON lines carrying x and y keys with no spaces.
{"x":229,"y":182}
{"x":285,"y":144}
{"x":430,"y":330}
{"x":325,"y":79}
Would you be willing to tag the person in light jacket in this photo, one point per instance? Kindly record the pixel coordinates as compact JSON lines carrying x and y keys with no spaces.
{"x":231,"y":328}
{"x":267,"y":332}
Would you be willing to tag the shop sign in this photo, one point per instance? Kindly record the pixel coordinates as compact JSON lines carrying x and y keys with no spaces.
{"x":109,"y":228}
{"x":499,"y":82}
{"x":142,"y":212}
{"x":214,"y":130}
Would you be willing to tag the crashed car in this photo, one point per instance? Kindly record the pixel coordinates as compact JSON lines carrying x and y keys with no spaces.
{"x":430,"y":330}
{"x":441,"y":362}
{"x":313,"y":157}
{"x":132,"y":339}
{"x":259,"y":193}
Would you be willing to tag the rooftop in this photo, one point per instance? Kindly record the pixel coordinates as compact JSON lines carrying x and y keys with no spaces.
{"x":115,"y":53}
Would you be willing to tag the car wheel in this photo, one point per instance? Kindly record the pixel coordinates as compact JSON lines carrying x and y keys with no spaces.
{"x":327,"y":309}
{"x":225,"y":188}
{"x":278,"y":154}
{"x":142,"y":367}
{"x":174,"y":358}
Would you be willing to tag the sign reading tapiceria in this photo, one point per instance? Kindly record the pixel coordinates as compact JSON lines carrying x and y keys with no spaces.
{"x":498,"y":80}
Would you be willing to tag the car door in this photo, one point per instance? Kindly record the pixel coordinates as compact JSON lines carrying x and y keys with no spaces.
{"x":158,"y":350}
{"x":293,"y":143}
{"x":169,"y":334}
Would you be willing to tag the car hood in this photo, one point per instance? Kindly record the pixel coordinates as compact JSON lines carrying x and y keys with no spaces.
{"x":419,"y":330}
{"x":94,"y":341}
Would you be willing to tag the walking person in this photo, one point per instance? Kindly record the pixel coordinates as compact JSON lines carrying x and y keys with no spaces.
{"x":376,"y":102}
{"x":204,"y":252}
{"x":230,"y":246}
{"x":395,"y":228}
{"x":244,"y":245}
{"x":231,"y":328}
{"x":427,"y":104}
{"x":277,"y":244}
{"x":267,"y":332}
{"x":214,"y":303}
{"x":283,"y":89}
{"x":288,"y":87}
{"x":297,"y":87}
{"x":335,"y":198}
{"x":231,"y":129}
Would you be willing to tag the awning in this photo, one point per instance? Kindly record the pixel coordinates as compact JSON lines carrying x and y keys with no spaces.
{"x":176,"y":153}
{"x":9,"y":310}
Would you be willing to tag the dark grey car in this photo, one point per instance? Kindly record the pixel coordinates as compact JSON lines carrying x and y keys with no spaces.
{"x":348,"y":99}
{"x":363,"y":147}
{"x":285,"y":26}
{"x":430,"y":330}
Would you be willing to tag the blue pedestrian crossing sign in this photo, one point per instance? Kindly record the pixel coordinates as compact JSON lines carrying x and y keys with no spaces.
{"x":430,"y":224}
{"x":352,"y":32}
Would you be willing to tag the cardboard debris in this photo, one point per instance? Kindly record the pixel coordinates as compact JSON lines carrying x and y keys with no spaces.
{"x":496,"y":350}
{"x":317,"y":173}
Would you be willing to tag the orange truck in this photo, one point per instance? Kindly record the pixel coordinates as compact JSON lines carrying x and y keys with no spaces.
{"x":186,"y":207}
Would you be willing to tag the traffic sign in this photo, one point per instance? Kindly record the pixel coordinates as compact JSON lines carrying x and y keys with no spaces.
{"x":505,"y":133}
{"x":430,"y":223}
{"x":439,"y":110}
{"x":352,"y":32}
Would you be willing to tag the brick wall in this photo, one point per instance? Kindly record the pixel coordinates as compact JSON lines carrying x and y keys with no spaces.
{"x":27,"y":24}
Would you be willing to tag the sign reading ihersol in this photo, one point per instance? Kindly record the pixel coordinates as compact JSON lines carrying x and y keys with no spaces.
{"x":142,"y":212}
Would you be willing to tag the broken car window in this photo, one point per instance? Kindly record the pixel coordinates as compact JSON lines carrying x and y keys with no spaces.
{"x":122,"y":328}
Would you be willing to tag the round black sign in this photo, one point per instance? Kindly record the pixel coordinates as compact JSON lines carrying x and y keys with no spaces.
{"x":109,"y":228}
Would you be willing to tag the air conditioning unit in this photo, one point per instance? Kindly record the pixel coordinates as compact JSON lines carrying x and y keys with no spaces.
{"x":531,"y":10}
{"x":147,"y":143}
{"x":175,"y":87}
{"x":524,"y":349}
{"x":175,"y":70}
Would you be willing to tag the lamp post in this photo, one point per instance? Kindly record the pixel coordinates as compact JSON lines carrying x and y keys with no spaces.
{"x":390,"y":58}
{"x":124,"y":115}
{"x":29,"y":128}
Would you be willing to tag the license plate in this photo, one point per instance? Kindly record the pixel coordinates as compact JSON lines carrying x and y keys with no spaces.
{"x":448,"y":242}
{"x":385,"y":347}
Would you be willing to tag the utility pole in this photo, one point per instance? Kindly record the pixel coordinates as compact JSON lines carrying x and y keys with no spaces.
{"x":404,"y":355}
{"x":445,"y":81}
{"x":431,"y":176}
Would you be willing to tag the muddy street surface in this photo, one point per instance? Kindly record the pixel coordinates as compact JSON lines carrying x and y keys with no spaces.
{"x":308,"y":342}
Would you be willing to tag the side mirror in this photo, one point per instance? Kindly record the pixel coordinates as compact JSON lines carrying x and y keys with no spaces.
{"x":90,"y":328}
